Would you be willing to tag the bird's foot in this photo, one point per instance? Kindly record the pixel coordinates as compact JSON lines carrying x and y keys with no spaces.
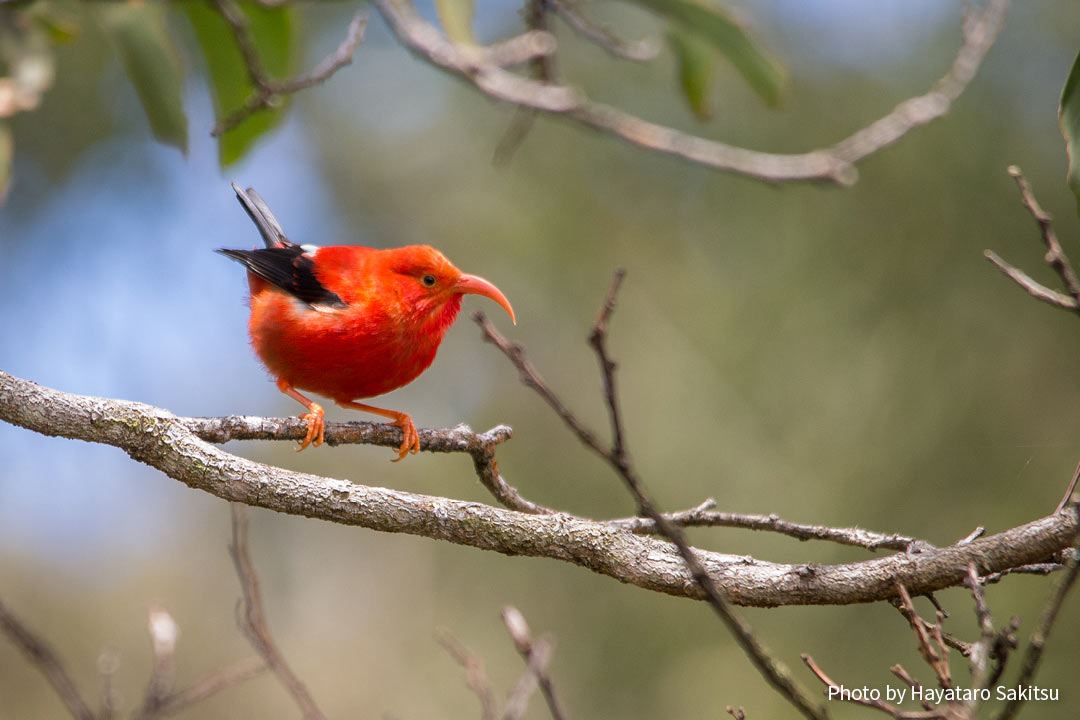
{"x":316,"y":426}
{"x":411,"y":442}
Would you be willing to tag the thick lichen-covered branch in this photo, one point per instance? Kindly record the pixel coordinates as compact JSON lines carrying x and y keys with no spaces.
{"x":162,"y":440}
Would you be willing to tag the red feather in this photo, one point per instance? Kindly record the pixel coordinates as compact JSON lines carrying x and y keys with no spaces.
{"x":349,"y":322}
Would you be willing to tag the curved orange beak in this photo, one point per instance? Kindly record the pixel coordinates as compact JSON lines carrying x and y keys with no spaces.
{"x":474,"y":285}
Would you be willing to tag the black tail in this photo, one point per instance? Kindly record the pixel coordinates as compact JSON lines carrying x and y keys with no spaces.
{"x":264,"y":220}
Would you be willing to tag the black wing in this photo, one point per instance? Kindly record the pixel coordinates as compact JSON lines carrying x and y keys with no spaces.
{"x":272,"y":233}
{"x":282,"y":263}
{"x":289,"y":269}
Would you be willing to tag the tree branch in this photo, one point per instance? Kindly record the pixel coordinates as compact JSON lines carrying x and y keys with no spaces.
{"x":267,"y":91}
{"x":161,"y":440}
{"x":835,"y":164}
{"x":252,"y":619}
{"x":536,"y":654}
{"x":704,"y":516}
{"x":44,"y":658}
{"x":773,"y":671}
{"x":1055,"y":256}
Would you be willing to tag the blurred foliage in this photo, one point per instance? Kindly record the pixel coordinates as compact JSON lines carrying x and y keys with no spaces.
{"x":838,"y":357}
{"x":696,"y":59}
{"x":1070,"y":126}
{"x":151,"y":61}
{"x":714,"y":24}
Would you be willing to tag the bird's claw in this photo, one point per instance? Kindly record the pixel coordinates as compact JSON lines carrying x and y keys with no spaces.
{"x":316,"y":427}
{"x":411,"y":441}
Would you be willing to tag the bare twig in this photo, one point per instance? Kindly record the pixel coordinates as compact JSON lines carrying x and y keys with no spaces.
{"x":1046,"y":568}
{"x":212,"y":683}
{"x":1036,"y":289}
{"x":899,"y":671}
{"x":980,"y":29}
{"x":475,"y":676}
{"x":1068,"y":496}
{"x":536,"y":655}
{"x":639,"y":50}
{"x":937,"y":658}
{"x":163,"y":635}
{"x":458,"y":439}
{"x":517,"y":701}
{"x":704,"y":516}
{"x":835,"y":689}
{"x":1055,"y":256}
{"x":252,"y":619}
{"x":267,"y":92}
{"x":1041,"y":634}
{"x":835,"y":164}
{"x":980,"y":651}
{"x":774,"y":672}
{"x":44,"y":658}
{"x":1004,"y":644}
{"x":975,"y":534}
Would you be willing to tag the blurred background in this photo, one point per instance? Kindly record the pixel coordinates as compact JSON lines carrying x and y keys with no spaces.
{"x":834,"y":356}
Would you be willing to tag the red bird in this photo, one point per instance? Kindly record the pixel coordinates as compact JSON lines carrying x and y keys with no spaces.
{"x":349,"y":322}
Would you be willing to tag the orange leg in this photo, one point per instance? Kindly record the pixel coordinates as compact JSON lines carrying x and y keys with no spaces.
{"x":411,"y":442}
{"x":315,"y":416}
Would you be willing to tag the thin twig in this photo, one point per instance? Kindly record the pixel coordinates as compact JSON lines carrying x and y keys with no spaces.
{"x":640,"y":50}
{"x":475,"y":676}
{"x":1055,"y":255}
{"x":980,"y":30}
{"x":974,"y":535}
{"x":1068,"y":496}
{"x":938,"y":658}
{"x":458,"y":439}
{"x":1034,"y":288}
{"x":1041,"y":634}
{"x":252,"y":619}
{"x":212,"y":683}
{"x":858,"y":698}
{"x":704,"y":516}
{"x":44,"y":658}
{"x":980,"y":652}
{"x":774,"y":672}
{"x":899,"y":671}
{"x":517,"y":701}
{"x":163,"y":636}
{"x":1046,"y":568}
{"x":536,"y":657}
{"x":267,"y":92}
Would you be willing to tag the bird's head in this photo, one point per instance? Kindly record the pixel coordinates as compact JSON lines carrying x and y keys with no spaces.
{"x":433,"y":288}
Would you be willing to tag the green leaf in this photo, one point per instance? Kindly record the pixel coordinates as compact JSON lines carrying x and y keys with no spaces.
{"x":697,"y":69}
{"x":57,"y":23}
{"x":1069,"y":118}
{"x":456,"y":17}
{"x":275,"y":39}
{"x":719,"y":27}
{"x":146,"y":51}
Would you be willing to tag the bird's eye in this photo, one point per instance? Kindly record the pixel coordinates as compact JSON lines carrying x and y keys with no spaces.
{"x":428,"y":280}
